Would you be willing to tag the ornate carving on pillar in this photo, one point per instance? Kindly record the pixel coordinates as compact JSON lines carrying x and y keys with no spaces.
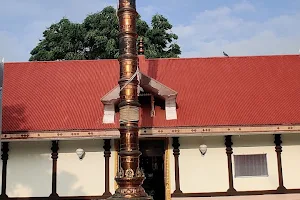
{"x":278,"y":150}
{"x":54,"y":156}
{"x":107,"y":154}
{"x":167,"y":170}
{"x":4,"y":158}
{"x":129,"y":177}
{"x":228,"y":144}
{"x":141,"y":50}
{"x":176,"y":153}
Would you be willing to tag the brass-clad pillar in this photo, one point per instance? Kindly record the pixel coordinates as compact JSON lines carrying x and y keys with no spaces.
{"x":129,"y":177}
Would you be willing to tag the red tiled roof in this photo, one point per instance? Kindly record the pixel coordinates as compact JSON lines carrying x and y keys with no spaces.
{"x":66,"y":95}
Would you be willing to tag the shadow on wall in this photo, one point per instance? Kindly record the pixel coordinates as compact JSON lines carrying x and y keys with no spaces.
{"x":291,"y":139}
{"x":69,"y":181}
{"x":29,"y":170}
{"x":13,"y":118}
{"x":88,"y":173}
{"x":253,"y":141}
{"x":195,"y":142}
{"x":219,"y":141}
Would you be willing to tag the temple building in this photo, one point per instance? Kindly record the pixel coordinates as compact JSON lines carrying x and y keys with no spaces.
{"x":210,"y":127}
{"x":217,"y":128}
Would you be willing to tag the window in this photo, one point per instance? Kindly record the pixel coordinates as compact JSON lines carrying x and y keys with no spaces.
{"x":250,"y":165}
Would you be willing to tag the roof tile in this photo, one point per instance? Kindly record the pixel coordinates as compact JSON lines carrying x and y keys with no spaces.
{"x":65,"y":95}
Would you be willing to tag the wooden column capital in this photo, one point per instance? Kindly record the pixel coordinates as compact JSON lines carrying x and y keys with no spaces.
{"x":5,"y":150}
{"x":228,"y":144}
{"x":278,"y":142}
{"x":107,"y":147}
{"x":54,"y":149}
{"x":176,"y":145}
{"x":176,"y":153}
{"x":229,"y":152}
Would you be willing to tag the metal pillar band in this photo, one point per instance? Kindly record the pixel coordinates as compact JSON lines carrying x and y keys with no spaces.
{"x":129,"y":177}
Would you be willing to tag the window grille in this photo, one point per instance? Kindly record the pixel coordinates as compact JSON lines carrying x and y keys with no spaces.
{"x":250,"y":165}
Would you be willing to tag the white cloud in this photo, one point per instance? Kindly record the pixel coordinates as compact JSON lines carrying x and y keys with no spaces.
{"x":148,"y":10}
{"x":243,"y":6}
{"x":215,"y":31}
{"x":217,"y":13}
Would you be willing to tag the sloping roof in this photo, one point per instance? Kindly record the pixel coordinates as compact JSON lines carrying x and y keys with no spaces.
{"x":66,"y":95}
{"x":146,"y":83}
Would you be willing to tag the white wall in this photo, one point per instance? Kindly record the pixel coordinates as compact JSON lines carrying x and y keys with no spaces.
{"x":199,"y":173}
{"x":84,"y":177}
{"x":30,"y":166}
{"x":291,"y":160}
{"x":29,"y":169}
{"x":112,"y":168}
{"x":262,"y":144}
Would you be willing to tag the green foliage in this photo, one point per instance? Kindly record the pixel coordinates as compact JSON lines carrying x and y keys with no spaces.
{"x":158,"y":39}
{"x":97,"y":38}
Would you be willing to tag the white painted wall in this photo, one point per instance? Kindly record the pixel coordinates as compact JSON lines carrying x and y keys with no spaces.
{"x":29,"y":169}
{"x":199,"y":173}
{"x":84,"y":177}
{"x":30,"y":166}
{"x":291,"y":160}
{"x":113,"y":162}
{"x":256,"y":144}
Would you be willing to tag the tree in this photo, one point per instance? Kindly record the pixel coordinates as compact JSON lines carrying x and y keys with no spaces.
{"x":158,"y":40}
{"x":63,"y":40}
{"x":97,"y":38}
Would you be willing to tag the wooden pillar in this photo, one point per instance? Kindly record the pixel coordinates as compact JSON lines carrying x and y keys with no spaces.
{"x":176,"y":153}
{"x":278,"y":149}
{"x":228,"y":144}
{"x":4,"y":158}
{"x":107,"y":154}
{"x":54,"y":156}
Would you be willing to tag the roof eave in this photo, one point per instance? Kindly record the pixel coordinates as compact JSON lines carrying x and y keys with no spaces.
{"x":148,"y":84}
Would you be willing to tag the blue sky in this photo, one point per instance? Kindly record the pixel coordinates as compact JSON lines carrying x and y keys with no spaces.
{"x":205,"y":28}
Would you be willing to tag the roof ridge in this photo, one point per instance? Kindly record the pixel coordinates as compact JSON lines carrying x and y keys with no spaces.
{"x":62,"y":61}
{"x":223,"y":57}
{"x":150,"y":59}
